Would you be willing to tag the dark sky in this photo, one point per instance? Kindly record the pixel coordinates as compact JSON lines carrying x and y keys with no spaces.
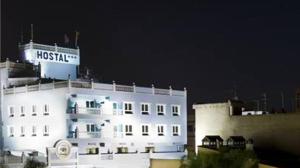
{"x":206,"y":46}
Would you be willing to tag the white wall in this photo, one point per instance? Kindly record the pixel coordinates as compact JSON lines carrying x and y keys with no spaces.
{"x":56,"y":119}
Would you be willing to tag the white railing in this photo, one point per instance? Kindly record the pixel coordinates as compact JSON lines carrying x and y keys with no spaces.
{"x":85,"y":110}
{"x":162,"y":91}
{"x":124,"y":88}
{"x":50,"y":48}
{"x":96,"y":86}
{"x":84,"y":134}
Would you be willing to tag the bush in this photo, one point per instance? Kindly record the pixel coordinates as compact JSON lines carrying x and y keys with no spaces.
{"x":226,"y":158}
{"x":31,"y":163}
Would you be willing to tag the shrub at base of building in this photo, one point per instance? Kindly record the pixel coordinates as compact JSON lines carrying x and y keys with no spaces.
{"x":226,"y":158}
{"x":31,"y":163}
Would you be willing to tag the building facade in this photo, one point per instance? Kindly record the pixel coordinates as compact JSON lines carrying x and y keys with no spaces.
{"x":96,"y":118}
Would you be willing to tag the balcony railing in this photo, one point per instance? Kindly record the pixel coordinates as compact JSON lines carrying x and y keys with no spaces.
{"x":87,"y":110}
{"x":84,"y":134}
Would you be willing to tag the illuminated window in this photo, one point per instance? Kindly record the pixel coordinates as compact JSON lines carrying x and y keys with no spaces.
{"x":175,"y":110}
{"x":92,"y":150}
{"x":128,"y":130}
{"x":161,"y":130}
{"x":22,"y":131}
{"x":145,"y":108}
{"x":11,"y":131}
{"x":175,"y":130}
{"x":46,"y":109}
{"x":128,"y":108}
{"x":33,"y":110}
{"x":145,"y":129}
{"x":33,"y":130}
{"x":22,"y":111}
{"x":160,"y":109}
{"x":11,"y":110}
{"x":122,"y":150}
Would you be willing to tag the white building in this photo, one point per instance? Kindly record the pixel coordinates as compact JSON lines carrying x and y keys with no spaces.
{"x":95,"y":117}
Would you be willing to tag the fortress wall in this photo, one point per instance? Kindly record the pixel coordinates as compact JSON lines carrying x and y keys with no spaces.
{"x":280,"y":131}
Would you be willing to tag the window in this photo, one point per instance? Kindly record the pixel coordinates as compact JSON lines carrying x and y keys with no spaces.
{"x":145,"y":108}
{"x":128,"y":108}
{"x":46,"y":130}
{"x":145,"y":130}
{"x":176,"y":130}
{"x":92,"y":128}
{"x":92,"y":104}
{"x":11,"y":131}
{"x":33,"y":130}
{"x":175,"y":110}
{"x":160,"y":108}
{"x":11,"y":111}
{"x":122,"y":150}
{"x":149,"y":148}
{"x":128,"y":130}
{"x":33,"y":110}
{"x":46,"y":109}
{"x":22,"y":111}
{"x":118,"y":130}
{"x":115,"y":108}
{"x":22,"y":131}
{"x":160,"y":130}
{"x":92,"y":150}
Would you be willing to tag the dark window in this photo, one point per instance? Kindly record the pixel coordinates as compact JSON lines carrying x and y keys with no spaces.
{"x":74,"y":144}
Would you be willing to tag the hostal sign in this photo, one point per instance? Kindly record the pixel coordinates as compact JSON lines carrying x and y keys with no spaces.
{"x":50,"y":56}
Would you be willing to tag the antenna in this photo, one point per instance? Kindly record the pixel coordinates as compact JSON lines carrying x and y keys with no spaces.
{"x":264,"y":99}
{"x":282,"y":100}
{"x":235,"y":97}
{"x":76,"y":38}
{"x":22,"y":37}
{"x":31,"y":32}
{"x":257,"y":104}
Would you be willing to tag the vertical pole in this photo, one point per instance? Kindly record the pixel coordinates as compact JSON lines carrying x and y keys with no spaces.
{"x":282,"y":100}
{"x":265,"y":101}
{"x":133,"y":86}
{"x":153,"y":89}
{"x":114,"y":86}
{"x":170,"y":91}
{"x":31,"y":32}
{"x":0,"y":33}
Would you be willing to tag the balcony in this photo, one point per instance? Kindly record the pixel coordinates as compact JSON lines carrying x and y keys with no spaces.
{"x":85,"y":110}
{"x":84,"y":134}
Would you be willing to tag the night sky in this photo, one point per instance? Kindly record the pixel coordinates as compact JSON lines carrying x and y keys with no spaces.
{"x":209,"y":47}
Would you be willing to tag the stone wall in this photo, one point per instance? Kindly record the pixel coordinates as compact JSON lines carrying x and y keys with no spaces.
{"x":277,"y":131}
